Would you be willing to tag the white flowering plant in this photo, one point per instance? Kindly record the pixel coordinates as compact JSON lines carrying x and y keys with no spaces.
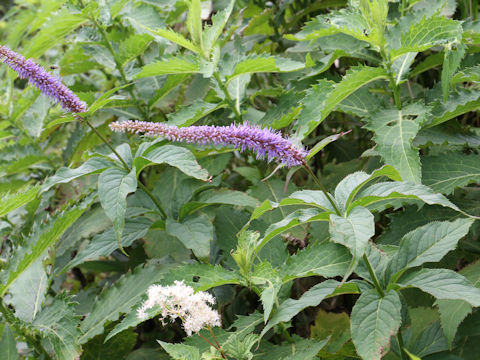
{"x":239,"y":179}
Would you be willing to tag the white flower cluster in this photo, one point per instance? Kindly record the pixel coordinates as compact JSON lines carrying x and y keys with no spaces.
{"x":180,"y":301}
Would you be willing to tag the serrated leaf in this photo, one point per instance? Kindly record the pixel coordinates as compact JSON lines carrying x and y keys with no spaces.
{"x":65,"y":175}
{"x":401,"y":67}
{"x":361,"y":103}
{"x":470,"y":74}
{"x":385,"y":192}
{"x":188,"y":115}
{"x":8,"y":347}
{"x":374,"y":321}
{"x":212,"y":33}
{"x":320,"y":259}
{"x":178,"y":157}
{"x":353,"y":230}
{"x":170,"y":65}
{"x":259,"y":63}
{"x":10,"y":201}
{"x":114,"y":184}
{"x":173,"y":37}
{"x":59,"y":324}
{"x":104,"y":244}
{"x":428,"y":243}
{"x":443,"y":284}
{"x":449,"y":171}
{"x":325,"y":97}
{"x":180,"y":351}
{"x":295,"y":218}
{"x":132,"y":47}
{"x":452,"y":312}
{"x":38,"y":242}
{"x":119,"y":298}
{"x":429,"y":32}
{"x":451,"y":62}
{"x":459,"y":102}
{"x":195,"y":233}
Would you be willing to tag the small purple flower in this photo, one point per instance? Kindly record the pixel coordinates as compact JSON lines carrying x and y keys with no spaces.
{"x":265,"y":142}
{"x":46,"y":82}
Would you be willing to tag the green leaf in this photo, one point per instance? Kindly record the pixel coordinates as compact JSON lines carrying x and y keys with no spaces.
{"x":322,"y":143}
{"x":259,"y":63}
{"x":135,"y":45}
{"x":59,"y":25}
{"x":180,"y":351}
{"x":295,"y":218}
{"x":114,"y":348}
{"x":58,"y":323}
{"x":173,"y":37}
{"x":470,"y":74}
{"x":64,"y":175}
{"x":309,"y":197}
{"x":353,"y":230}
{"x":10,"y":201}
{"x":188,"y":115}
{"x":401,"y":66}
{"x":8,"y":347}
{"x":374,"y":321}
{"x":429,"y":32}
{"x":170,"y":65}
{"x":41,"y":238}
{"x":177,"y":156}
{"x":211,"y":33}
{"x":459,"y":102}
{"x":430,"y":341}
{"x":114,"y":184}
{"x":105,"y":99}
{"x":104,"y":244}
{"x":118,"y":298}
{"x":453,"y":56}
{"x":452,"y":312}
{"x":194,"y":21}
{"x":428,"y":243}
{"x":451,"y":170}
{"x":269,"y":280}
{"x":442,"y":284}
{"x":195,"y":233}
{"x":385,"y":192}
{"x":319,"y":259}
{"x":323,"y":98}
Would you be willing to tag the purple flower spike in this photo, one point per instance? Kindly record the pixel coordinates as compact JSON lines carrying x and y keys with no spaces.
{"x":46,"y":82}
{"x":265,"y":142}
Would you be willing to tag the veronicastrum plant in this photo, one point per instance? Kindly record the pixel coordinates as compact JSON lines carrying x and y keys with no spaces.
{"x":182,"y":201}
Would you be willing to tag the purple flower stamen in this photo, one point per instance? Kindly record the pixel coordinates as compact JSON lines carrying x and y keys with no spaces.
{"x":43,"y":80}
{"x":265,"y":142}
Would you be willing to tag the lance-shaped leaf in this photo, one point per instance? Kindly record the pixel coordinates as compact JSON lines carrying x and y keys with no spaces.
{"x":322,"y":99}
{"x":10,"y":201}
{"x":117,"y":299}
{"x":321,"y":259}
{"x":428,"y":243}
{"x":442,"y":284}
{"x":58,"y":323}
{"x":41,"y":238}
{"x":429,"y":32}
{"x":374,"y":321}
{"x":452,"y":312}
{"x":114,"y":184}
{"x":296,"y":218}
{"x":470,"y":74}
{"x":309,"y":197}
{"x":176,"y":156}
{"x":65,"y":175}
{"x":291,"y":307}
{"x":453,"y":56}
{"x":211,"y":33}
{"x":170,"y":65}
{"x":353,"y":230}
{"x":173,"y":37}
{"x":446,"y":172}
{"x":383,"y":194}
{"x":459,"y":102}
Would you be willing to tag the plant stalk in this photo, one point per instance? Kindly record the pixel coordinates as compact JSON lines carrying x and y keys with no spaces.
{"x":322,"y":188}
{"x":376,"y":283}
{"x":238,"y":116}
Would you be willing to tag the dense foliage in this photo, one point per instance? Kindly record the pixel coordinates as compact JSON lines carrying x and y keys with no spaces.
{"x":366,"y":248}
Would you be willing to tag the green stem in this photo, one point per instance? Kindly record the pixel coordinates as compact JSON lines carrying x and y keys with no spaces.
{"x":400,"y":344}
{"x":10,"y":318}
{"x":322,"y":188}
{"x":393,"y":84}
{"x":125,"y":165}
{"x":376,"y":283}
{"x":238,"y":116}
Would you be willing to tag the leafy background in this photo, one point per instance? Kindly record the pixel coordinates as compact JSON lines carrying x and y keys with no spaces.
{"x":384,"y":93}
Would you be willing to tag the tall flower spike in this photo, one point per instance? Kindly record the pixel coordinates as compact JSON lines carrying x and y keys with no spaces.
{"x":265,"y":142}
{"x":43,"y":80}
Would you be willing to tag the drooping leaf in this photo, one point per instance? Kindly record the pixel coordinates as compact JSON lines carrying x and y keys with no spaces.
{"x":118,"y":298}
{"x":114,"y":184}
{"x":443,"y":284}
{"x":446,"y":172}
{"x":374,"y":321}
